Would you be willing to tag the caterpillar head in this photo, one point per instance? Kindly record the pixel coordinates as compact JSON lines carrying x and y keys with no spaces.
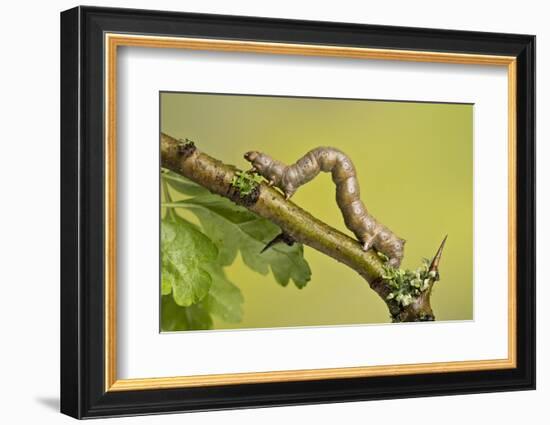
{"x":396,"y":248}
{"x":399,"y":245}
{"x":260,"y":162}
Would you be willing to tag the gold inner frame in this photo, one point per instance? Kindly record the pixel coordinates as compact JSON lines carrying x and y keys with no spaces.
{"x":113,"y":41}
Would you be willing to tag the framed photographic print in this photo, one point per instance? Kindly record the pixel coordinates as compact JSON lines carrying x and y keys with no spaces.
{"x":262,"y":212}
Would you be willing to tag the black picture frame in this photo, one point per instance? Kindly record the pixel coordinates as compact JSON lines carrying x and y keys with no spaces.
{"x":83,"y":392}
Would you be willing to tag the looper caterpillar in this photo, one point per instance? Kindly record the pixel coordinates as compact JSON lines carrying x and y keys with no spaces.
{"x":288,"y":178}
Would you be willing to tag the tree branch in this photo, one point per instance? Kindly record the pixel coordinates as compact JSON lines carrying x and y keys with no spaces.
{"x":187,"y":160}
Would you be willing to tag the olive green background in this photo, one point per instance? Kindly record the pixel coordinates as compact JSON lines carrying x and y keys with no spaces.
{"x":415,"y":167}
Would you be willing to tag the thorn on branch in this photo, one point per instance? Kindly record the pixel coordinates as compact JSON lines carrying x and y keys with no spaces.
{"x":434,"y":266}
{"x":280,"y":238}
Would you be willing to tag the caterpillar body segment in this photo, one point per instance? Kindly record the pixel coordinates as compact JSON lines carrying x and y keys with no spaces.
{"x":364,"y":226}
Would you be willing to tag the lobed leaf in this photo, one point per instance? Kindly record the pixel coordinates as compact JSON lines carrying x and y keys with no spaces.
{"x":182,"y":185}
{"x":185,"y":251}
{"x":235,"y":229}
{"x":224,"y":299}
{"x":177,"y":318}
{"x":194,"y":286}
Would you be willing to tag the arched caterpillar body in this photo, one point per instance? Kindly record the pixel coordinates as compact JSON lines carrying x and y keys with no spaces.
{"x":288,"y":178}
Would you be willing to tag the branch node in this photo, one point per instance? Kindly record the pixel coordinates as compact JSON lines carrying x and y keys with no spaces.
{"x":186,"y":147}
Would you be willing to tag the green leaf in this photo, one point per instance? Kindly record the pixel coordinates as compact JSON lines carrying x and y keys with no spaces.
{"x":193,"y":285}
{"x":185,"y":253}
{"x":224,"y":299}
{"x":183,"y":185}
{"x":288,"y":263}
{"x":235,"y":229}
{"x":177,"y":318}
{"x":167,"y":281}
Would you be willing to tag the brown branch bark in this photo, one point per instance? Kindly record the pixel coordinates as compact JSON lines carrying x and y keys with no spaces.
{"x":187,"y":160}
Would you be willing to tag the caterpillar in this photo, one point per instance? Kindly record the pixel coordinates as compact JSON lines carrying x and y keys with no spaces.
{"x":368,"y":231}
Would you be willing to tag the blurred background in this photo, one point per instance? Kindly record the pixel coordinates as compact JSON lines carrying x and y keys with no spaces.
{"x":415,"y":167}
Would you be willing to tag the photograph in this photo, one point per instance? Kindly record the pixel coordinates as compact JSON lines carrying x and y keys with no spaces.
{"x":308,"y":211}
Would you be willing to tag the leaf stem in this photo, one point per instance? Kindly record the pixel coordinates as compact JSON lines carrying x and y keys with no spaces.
{"x":170,"y":213}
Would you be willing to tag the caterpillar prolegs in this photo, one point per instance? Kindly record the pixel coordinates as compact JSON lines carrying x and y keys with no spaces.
{"x":288,"y":178}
